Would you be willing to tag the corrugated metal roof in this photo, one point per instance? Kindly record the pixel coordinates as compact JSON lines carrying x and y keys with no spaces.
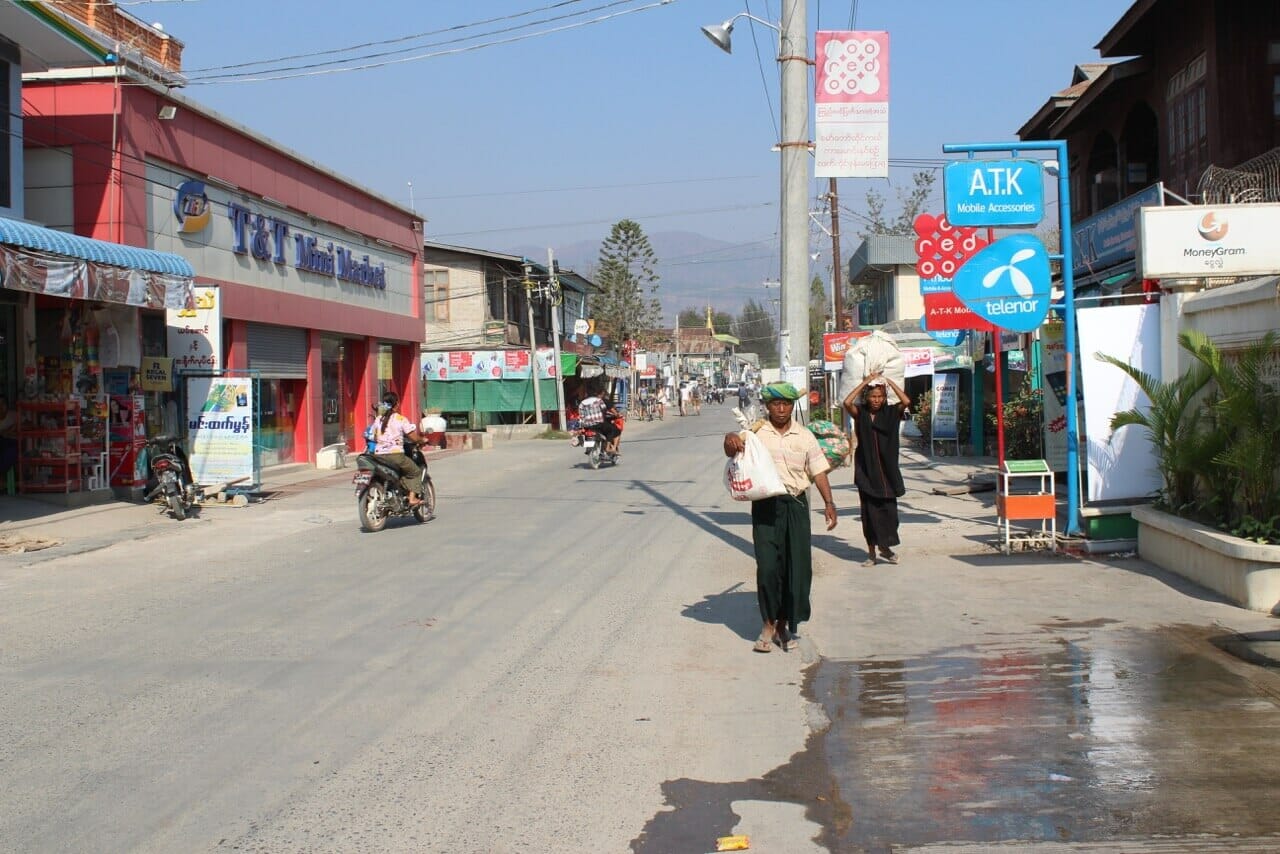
{"x":37,"y":237}
{"x":882,"y":250}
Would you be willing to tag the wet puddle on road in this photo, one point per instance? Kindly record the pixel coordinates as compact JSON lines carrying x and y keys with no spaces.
{"x":1068,"y":736}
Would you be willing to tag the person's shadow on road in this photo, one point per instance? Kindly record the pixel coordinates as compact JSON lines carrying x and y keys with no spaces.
{"x":733,"y":608}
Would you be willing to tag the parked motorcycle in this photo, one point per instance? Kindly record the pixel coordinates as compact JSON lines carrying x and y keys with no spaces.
{"x":172,"y":472}
{"x":379,"y":494}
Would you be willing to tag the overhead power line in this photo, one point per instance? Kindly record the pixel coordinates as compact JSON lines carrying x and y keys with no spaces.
{"x":397,"y":40}
{"x":316,"y":69}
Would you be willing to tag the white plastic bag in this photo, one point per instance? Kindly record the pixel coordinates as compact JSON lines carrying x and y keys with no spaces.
{"x":875,"y":352}
{"x":752,"y":475}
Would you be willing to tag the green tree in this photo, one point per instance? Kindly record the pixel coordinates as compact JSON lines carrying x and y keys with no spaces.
{"x":627,"y":305}
{"x":756,"y":329}
{"x":692,"y":318}
{"x":911,"y":202}
{"x":819,"y":310}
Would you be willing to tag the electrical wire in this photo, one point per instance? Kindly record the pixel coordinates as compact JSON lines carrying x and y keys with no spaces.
{"x":318,"y":69}
{"x":609,"y":221}
{"x":396,"y":40}
{"x":768,"y":97}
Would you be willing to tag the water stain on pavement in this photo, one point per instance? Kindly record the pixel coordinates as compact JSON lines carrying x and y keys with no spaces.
{"x":1057,"y":736}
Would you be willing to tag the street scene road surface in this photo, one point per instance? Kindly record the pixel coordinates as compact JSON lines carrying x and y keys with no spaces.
{"x":562,"y":661}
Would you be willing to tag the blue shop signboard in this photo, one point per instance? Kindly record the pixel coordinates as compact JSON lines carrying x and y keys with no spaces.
{"x":1110,"y":236}
{"x":994,"y":192}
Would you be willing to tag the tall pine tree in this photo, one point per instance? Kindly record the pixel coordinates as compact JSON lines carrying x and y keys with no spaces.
{"x":758,"y":333}
{"x":627,"y":305}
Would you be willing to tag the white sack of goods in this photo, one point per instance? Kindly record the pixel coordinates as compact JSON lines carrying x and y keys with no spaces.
{"x":874,"y":353}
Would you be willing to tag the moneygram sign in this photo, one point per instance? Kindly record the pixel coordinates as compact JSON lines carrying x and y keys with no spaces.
{"x":994,"y":192}
{"x":1193,"y":241}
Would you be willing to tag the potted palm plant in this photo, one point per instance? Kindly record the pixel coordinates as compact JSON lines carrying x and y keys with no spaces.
{"x":1216,"y":434}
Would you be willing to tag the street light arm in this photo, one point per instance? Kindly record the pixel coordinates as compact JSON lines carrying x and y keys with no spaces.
{"x":750,"y":17}
{"x":719,"y":33}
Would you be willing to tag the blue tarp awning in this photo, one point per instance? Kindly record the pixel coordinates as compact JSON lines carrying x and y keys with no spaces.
{"x":36,"y":237}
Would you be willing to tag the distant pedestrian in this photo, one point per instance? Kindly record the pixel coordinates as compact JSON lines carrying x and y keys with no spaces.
{"x":780,"y":528}
{"x":686,"y":395}
{"x":876,"y":472}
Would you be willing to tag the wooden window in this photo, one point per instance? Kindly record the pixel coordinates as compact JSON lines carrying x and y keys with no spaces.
{"x":435,"y":284}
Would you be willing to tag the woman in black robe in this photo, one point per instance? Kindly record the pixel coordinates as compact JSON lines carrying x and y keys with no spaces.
{"x":875,"y":463}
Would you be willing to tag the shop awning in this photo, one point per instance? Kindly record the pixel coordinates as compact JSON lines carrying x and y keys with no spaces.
{"x":27,"y":236}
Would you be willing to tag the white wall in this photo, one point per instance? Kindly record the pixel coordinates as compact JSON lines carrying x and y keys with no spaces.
{"x":467,"y":299}
{"x":907,"y":302}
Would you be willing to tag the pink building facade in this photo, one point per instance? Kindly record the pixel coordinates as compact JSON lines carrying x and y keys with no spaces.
{"x":318,"y":281}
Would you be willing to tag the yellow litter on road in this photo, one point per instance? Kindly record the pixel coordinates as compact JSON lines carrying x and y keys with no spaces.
{"x":733,"y":843}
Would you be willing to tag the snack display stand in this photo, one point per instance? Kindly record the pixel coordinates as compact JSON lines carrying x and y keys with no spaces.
{"x":1026,"y":493}
{"x":49,"y":447}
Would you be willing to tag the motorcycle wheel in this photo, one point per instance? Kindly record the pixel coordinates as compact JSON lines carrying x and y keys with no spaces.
{"x":175,"y":507}
{"x":594,"y":457}
{"x":371,"y":516}
{"x":426,"y":511}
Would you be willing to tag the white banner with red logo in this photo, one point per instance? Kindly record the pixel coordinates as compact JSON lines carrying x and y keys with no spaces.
{"x":851,"y":104}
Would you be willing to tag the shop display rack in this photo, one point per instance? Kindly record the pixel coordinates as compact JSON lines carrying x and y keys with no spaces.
{"x":49,"y":456}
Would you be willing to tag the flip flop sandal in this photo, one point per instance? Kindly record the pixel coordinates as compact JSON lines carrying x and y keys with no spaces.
{"x":762,"y":645}
{"x":790,"y":645}
{"x":891,"y":559}
{"x":868,"y":562}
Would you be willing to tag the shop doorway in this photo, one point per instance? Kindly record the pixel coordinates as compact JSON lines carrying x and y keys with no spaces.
{"x":9,"y":351}
{"x":335,"y":408}
{"x":280,"y":401}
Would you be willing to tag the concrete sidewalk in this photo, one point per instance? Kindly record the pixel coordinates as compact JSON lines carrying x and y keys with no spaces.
{"x":953,"y":586}
{"x":29,"y":524}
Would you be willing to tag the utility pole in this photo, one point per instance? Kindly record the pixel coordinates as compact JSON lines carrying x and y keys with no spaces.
{"x":837,"y":297}
{"x":676,"y":369}
{"x":533,"y":343}
{"x":553,"y":284}
{"x":793,"y":53}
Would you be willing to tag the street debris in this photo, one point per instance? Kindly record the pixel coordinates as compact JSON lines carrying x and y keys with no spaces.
{"x":733,"y":843}
{"x":15,"y":544}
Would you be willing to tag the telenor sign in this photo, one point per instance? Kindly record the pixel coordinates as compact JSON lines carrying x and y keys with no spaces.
{"x":994,"y":192}
{"x":1007,"y":283}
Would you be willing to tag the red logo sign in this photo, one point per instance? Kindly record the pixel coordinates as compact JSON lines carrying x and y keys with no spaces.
{"x":945,"y":311}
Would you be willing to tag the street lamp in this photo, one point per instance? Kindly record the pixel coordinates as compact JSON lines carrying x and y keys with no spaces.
{"x":793,"y":54}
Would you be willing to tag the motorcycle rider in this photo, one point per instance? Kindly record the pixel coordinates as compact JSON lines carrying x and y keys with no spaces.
{"x":597,"y":413}
{"x":390,"y":430}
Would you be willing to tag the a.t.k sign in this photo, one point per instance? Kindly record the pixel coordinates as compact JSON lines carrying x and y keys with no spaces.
{"x":994,"y":192}
{"x":1007,"y":283}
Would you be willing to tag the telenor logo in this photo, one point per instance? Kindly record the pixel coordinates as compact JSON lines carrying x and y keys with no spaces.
{"x":1213,"y":226}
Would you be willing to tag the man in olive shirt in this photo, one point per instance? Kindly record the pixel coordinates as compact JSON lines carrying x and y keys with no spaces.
{"x":780,"y":528}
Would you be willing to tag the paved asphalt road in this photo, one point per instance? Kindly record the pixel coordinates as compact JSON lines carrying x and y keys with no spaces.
{"x":522,"y":674}
{"x":561,"y":663}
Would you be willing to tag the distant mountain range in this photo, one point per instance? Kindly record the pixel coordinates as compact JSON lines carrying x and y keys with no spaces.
{"x":694,"y":270}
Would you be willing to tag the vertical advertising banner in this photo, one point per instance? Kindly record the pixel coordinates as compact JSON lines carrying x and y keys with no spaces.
{"x":851,"y":104}
{"x":945,"y":418}
{"x":195,"y":331}
{"x":220,"y":428}
{"x":1053,"y":368}
{"x":1122,"y":464}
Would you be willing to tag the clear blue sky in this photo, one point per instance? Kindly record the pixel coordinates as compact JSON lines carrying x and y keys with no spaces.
{"x":549,"y":140}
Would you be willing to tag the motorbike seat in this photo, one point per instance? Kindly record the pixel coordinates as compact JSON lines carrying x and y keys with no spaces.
{"x":370,"y":462}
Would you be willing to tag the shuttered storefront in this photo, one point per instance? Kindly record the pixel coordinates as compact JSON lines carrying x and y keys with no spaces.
{"x":277,"y":351}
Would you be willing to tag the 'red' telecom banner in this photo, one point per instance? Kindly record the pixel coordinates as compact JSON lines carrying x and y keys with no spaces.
{"x":851,"y":104}
{"x":943,"y":249}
